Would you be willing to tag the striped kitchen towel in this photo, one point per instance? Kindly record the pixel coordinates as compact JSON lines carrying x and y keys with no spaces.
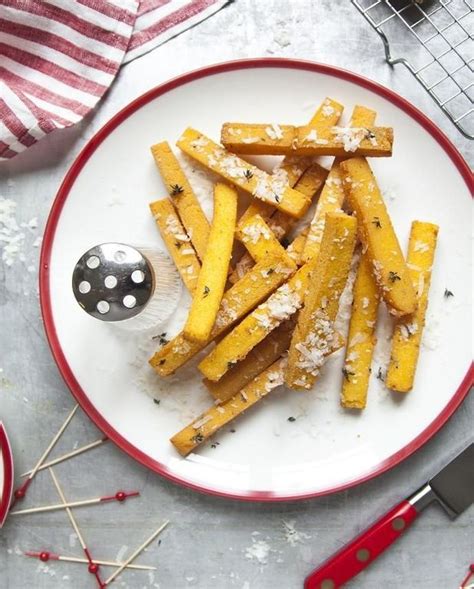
{"x":58,"y":57}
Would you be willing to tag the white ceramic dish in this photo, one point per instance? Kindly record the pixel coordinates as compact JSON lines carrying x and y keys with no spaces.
{"x":268,"y":458}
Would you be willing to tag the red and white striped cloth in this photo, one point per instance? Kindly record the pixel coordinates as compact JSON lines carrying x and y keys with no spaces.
{"x":59,"y":57}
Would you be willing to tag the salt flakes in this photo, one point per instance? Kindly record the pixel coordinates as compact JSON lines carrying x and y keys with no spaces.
{"x":11,"y":236}
{"x":258,"y":550}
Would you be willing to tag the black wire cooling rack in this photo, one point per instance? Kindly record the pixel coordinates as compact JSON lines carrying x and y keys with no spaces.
{"x":441,"y":50}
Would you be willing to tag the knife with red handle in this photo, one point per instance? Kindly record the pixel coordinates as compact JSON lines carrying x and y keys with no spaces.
{"x":453,"y":488}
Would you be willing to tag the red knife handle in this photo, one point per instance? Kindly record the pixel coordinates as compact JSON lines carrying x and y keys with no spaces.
{"x":358,"y":554}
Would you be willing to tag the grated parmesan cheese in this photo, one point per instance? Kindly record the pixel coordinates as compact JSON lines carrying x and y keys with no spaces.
{"x":252,"y":233}
{"x":274,"y":132}
{"x":350,"y":137}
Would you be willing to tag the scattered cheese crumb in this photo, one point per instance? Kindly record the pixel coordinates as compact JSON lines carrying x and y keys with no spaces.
{"x":259,"y":551}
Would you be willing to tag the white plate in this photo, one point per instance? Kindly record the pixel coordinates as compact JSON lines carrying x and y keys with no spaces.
{"x":104,"y":198}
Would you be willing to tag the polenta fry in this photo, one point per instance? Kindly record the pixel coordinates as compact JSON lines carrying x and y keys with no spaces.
{"x":378,"y":237}
{"x":361,"y":338}
{"x":273,"y":189}
{"x":262,"y":139}
{"x":183,"y":198}
{"x":218,"y":416}
{"x":260,"y":240}
{"x":177,"y":241}
{"x":408,"y":330}
{"x":213,"y":275}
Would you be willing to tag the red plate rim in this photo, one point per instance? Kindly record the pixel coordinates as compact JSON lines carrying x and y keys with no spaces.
{"x":75,"y":169}
{"x":6,"y":452}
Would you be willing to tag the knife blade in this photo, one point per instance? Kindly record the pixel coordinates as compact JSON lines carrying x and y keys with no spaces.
{"x":454,"y":484}
{"x":452,"y":488}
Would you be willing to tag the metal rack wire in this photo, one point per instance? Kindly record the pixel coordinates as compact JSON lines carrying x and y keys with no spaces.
{"x":441,"y":53}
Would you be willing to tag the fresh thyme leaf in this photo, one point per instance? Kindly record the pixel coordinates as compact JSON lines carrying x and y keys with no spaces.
{"x":176,"y":189}
{"x":215,"y":444}
{"x":370,"y":135}
{"x":232,"y":431}
{"x":380,"y":374}
{"x":198,"y":438}
{"x":393,"y":276}
{"x":156,"y":401}
{"x":291,"y":418}
{"x":161,"y":338}
{"x":347,"y":374}
{"x":248,"y":174}
{"x":270,"y":271}
{"x":376,"y":222}
{"x":206,"y":291}
{"x":448,"y":293}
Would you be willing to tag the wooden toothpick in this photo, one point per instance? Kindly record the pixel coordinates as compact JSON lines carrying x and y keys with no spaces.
{"x":93,"y":568}
{"x":44,"y":556}
{"x":119,"y":496}
{"x":136,"y":553}
{"x":71,"y":454}
{"x":21,"y":491}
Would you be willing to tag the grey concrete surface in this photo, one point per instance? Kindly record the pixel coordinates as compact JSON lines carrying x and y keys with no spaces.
{"x":205,"y":546}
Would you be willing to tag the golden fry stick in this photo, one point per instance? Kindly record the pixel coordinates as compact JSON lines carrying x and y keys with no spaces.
{"x":215,"y":266}
{"x":408,"y":330}
{"x":332,"y":195}
{"x":314,"y":332}
{"x":281,"y":305}
{"x":378,"y":236}
{"x":273,"y":189}
{"x":177,"y":242}
{"x":296,"y":247}
{"x":241,"y":298}
{"x":260,"y":358}
{"x":260,"y":240}
{"x":216,"y":417}
{"x":263,"y":139}
{"x":361,"y":338}
{"x":183,"y":198}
